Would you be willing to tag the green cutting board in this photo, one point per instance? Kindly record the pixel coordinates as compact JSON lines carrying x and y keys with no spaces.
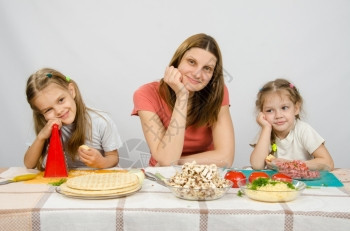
{"x":327,"y":178}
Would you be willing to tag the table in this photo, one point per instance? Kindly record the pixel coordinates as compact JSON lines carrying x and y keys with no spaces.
{"x":39,"y":207}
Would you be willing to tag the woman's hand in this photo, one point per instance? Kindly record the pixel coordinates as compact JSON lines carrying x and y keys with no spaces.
{"x":173,"y":78}
{"x":261,"y":120}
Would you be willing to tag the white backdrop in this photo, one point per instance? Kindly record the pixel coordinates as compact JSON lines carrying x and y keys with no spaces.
{"x":112,"y":47}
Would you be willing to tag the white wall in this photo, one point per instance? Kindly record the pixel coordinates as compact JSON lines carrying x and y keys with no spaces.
{"x":112,"y":47}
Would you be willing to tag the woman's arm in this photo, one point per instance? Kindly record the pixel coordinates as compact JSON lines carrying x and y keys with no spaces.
{"x":262,"y":147}
{"x":170,"y":149}
{"x":166,"y":144}
{"x":322,"y":159}
{"x":224,"y":141}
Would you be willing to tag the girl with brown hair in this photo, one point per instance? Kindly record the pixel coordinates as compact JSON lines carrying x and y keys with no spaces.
{"x":283,"y":135}
{"x":56,"y":99}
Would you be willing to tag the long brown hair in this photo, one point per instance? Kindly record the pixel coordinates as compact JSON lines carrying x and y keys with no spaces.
{"x":279,"y":86}
{"x":206,"y":103}
{"x":82,"y":122}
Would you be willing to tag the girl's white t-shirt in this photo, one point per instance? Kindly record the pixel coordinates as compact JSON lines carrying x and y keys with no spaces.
{"x":105,"y":137}
{"x":300,"y":143}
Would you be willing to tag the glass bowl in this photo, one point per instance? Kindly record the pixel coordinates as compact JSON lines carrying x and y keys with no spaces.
{"x":207,"y":161}
{"x":222,"y":166}
{"x":273,"y":193}
{"x":198,"y":179}
{"x":298,"y":170}
{"x":301,"y":174}
{"x":199,"y":194}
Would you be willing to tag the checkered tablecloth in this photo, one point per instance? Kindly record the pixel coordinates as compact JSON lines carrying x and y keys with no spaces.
{"x":39,"y":207}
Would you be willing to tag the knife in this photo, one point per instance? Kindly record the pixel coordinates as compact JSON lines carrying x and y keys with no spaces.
{"x":23,"y":177}
{"x":156,"y":177}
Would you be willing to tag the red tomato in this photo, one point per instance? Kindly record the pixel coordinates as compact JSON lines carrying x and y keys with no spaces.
{"x":282,"y":177}
{"x":235,"y":177}
{"x":256,"y":175}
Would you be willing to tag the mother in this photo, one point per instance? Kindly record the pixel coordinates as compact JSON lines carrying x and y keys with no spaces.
{"x":186,"y":114}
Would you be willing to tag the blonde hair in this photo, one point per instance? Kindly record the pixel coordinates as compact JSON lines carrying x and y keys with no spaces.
{"x":206,"y":103}
{"x":82,"y":122}
{"x":279,"y":86}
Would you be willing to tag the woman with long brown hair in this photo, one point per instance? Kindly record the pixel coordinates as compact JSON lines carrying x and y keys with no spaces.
{"x":186,"y":114}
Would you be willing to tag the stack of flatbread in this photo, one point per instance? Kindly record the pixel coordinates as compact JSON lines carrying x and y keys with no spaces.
{"x":101,"y":185}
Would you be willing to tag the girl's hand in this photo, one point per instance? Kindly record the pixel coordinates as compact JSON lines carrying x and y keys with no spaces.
{"x":261,"y":120}
{"x":91,"y":157}
{"x":173,"y":78}
{"x":275,"y":162}
{"x":46,"y":131}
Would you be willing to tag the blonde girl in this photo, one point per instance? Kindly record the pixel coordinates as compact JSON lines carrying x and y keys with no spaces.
{"x":56,"y":99}
{"x":282,"y":133}
{"x":186,"y":114}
